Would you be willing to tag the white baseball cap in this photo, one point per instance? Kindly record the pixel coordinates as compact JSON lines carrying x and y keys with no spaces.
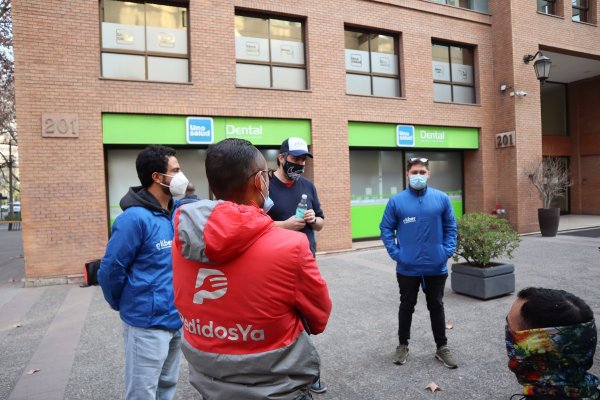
{"x":296,"y":147}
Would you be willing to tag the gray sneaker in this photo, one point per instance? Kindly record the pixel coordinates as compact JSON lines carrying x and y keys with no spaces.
{"x":401,"y":354}
{"x":443,"y":354}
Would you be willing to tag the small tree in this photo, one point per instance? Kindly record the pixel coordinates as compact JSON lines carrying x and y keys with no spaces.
{"x":550,"y":177}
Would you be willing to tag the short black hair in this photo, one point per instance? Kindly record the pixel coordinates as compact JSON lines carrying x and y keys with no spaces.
{"x":152,"y":159}
{"x":417,"y":161}
{"x":284,"y":154}
{"x":545,"y":308}
{"x":229,"y":164}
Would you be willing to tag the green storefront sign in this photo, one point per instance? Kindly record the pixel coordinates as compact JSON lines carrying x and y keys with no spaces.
{"x":368,"y":134}
{"x":367,"y":211}
{"x":171,"y":130}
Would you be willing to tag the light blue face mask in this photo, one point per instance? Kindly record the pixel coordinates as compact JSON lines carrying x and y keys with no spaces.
{"x":417,"y":182}
{"x":267,"y":203}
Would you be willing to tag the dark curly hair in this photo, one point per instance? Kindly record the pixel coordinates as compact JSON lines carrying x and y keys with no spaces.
{"x":544,"y":308}
{"x":152,"y":159}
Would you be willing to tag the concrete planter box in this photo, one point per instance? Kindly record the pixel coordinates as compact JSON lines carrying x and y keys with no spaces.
{"x":483,"y":283}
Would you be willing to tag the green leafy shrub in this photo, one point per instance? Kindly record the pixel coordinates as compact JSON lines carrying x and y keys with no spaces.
{"x":483,"y":238}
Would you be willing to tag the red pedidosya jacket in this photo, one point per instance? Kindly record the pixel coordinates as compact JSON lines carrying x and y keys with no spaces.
{"x":241,"y":283}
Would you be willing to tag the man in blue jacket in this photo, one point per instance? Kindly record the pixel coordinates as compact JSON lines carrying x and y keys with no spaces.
{"x":418,"y":230}
{"x":136,"y":276}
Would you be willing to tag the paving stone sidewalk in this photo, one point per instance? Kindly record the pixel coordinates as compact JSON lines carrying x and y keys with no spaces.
{"x":74,"y":339}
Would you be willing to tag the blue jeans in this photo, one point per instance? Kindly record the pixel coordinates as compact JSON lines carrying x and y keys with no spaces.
{"x":152,"y":360}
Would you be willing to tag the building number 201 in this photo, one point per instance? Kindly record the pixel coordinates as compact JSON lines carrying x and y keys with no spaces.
{"x":60,"y":125}
{"x":505,"y":139}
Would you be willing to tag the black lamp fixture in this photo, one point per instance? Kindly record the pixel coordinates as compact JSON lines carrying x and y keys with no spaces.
{"x":541,"y":66}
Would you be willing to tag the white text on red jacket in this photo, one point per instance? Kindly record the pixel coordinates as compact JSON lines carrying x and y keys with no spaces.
{"x":236,"y":333}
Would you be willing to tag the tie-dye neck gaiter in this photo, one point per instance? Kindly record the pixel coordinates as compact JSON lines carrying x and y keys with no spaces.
{"x":553,"y":362}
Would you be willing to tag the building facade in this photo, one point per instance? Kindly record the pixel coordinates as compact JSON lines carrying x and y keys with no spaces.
{"x":368,"y":84}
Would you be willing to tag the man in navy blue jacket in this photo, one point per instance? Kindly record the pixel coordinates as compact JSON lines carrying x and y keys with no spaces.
{"x":136,"y":276}
{"x":418,"y":230}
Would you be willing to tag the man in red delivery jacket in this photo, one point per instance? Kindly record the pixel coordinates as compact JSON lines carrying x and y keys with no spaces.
{"x":242,"y":284}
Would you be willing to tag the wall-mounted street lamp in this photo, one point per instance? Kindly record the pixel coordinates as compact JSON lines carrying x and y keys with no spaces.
{"x":541,"y":66}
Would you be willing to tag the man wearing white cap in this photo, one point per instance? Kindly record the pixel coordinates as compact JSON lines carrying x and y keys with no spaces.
{"x":286,"y":188}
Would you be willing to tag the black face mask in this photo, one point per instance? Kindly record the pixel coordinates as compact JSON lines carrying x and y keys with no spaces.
{"x":293,"y":171}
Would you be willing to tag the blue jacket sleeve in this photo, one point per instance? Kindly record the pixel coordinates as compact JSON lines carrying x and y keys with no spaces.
{"x":388,"y":228}
{"x":121,"y":250}
{"x":449,"y":227}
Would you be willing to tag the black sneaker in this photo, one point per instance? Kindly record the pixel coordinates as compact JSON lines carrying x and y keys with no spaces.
{"x":317,"y":386}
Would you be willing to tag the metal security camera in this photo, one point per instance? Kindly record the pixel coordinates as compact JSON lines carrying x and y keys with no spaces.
{"x":521,"y":93}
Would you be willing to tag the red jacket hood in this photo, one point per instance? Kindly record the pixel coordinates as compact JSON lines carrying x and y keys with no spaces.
{"x":219,"y":231}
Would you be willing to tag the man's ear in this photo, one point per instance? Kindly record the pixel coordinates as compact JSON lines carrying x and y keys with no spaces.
{"x":257,"y":182}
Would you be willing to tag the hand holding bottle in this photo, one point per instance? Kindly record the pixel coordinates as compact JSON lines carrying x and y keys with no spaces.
{"x":293,"y":223}
{"x":310,"y":217}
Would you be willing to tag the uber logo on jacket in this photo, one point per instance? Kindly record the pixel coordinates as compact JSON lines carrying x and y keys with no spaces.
{"x":408,"y":220}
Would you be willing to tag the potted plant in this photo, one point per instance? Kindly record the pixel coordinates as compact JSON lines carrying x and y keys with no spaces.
{"x":551,"y":178}
{"x":483,"y":239}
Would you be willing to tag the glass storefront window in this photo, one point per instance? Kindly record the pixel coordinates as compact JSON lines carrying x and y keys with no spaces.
{"x":446,"y":171}
{"x":365,"y":176}
{"x":122,"y":174}
{"x":376,"y":175}
{"x":392,"y":173}
{"x":144,"y":41}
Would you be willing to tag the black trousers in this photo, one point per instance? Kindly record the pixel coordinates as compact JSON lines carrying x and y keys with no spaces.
{"x":433,"y":287}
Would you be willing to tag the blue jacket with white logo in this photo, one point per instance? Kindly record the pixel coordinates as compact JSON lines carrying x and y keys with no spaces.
{"x":136,"y":272}
{"x":418,"y":230}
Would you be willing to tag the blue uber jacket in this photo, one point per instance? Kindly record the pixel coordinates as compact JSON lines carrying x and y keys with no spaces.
{"x":136,"y":273}
{"x":418,"y":230}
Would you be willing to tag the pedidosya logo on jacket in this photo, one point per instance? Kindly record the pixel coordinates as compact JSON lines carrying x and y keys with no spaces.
{"x":216,"y":280}
{"x":213,"y":285}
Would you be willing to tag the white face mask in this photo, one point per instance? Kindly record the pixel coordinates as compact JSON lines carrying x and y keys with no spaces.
{"x":179,"y":184}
